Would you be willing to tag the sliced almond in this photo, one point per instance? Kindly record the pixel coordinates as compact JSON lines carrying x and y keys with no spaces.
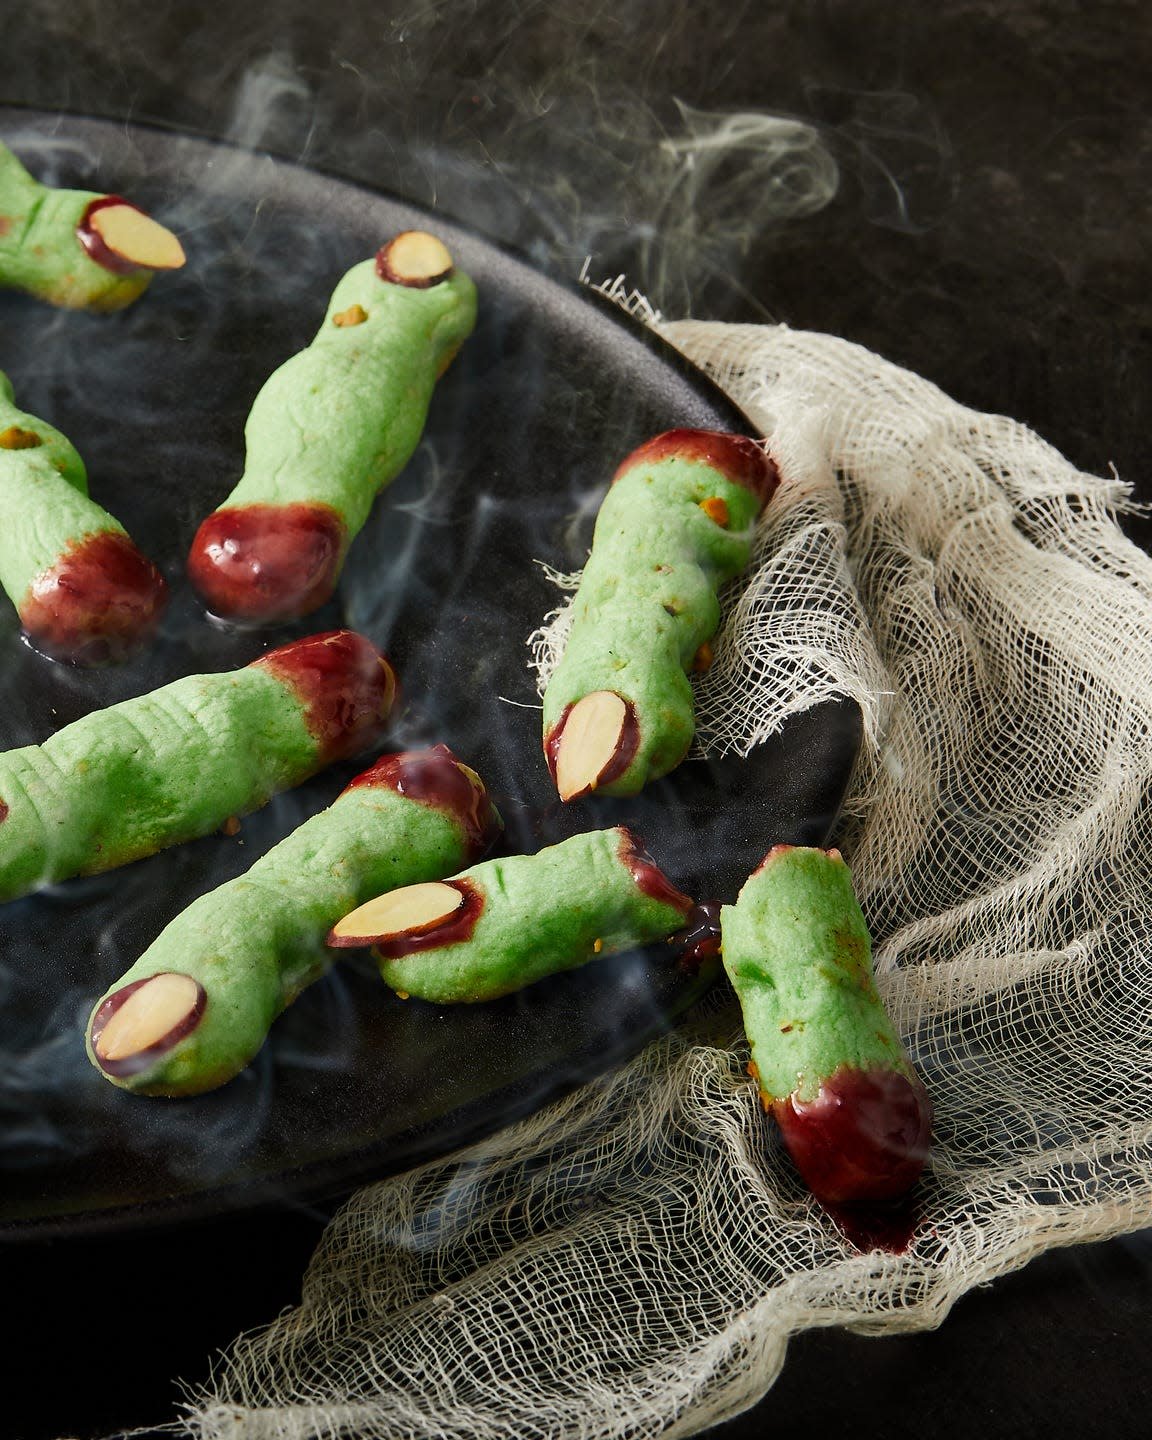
{"x":410,"y":911}
{"x":137,"y":238}
{"x":414,"y":258}
{"x":589,"y":742}
{"x":153,"y":1011}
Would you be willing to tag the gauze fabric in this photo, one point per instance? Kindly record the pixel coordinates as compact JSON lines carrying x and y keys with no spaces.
{"x":633,"y":1260}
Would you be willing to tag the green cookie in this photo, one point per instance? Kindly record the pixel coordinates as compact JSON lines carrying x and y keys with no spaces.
{"x":832,"y":1070}
{"x":177,"y":763}
{"x":329,"y":430}
{"x":527,"y":916}
{"x":60,"y":245}
{"x":675,"y":526}
{"x":83,"y":591}
{"x":239,"y":955}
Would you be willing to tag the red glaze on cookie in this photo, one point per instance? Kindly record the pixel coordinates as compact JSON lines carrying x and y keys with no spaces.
{"x":774,"y":853}
{"x":267,"y":562}
{"x":435,"y":777}
{"x":864,"y":1137}
{"x":780,"y":850}
{"x":459,"y":926}
{"x":699,"y":941}
{"x":625,"y":750}
{"x":346,"y":686}
{"x":99,"y":603}
{"x":142,"y":1059}
{"x":648,"y":876}
{"x":737,"y":458}
{"x":94,"y":243}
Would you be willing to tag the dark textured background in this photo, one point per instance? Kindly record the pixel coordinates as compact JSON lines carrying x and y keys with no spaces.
{"x":991,"y":230}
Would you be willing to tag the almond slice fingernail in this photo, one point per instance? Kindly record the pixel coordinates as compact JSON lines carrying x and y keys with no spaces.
{"x":590,"y":741}
{"x":130,"y":237}
{"x":143,"y":1020}
{"x":414,"y":258}
{"x":411,"y":911}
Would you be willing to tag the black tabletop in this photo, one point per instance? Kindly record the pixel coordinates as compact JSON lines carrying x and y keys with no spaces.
{"x":988,"y":227}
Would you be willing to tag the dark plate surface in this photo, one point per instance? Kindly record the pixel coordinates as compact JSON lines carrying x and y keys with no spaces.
{"x":552,"y":390}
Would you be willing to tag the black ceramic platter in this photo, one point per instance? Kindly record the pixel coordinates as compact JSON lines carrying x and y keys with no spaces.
{"x":554,"y":388}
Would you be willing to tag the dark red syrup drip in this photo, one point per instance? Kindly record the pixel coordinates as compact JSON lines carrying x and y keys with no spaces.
{"x":738,"y":458}
{"x":626,"y":747}
{"x":434,"y":777}
{"x":879,"y":1226}
{"x":456,"y":928}
{"x":346,"y":686}
{"x":142,"y":1059}
{"x":95,"y":244}
{"x":267,"y":562}
{"x":863,"y":1138}
{"x":699,"y":941}
{"x":647,"y":874}
{"x":97,"y":605}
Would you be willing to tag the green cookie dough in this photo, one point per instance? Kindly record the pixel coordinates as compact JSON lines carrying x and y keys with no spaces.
{"x":132,"y":779}
{"x":798,"y":953}
{"x":329,"y":430}
{"x":675,"y":526}
{"x":83,"y":591}
{"x":21,"y":433}
{"x":528,"y":916}
{"x":47,"y":245}
{"x":830,"y":1067}
{"x":253,"y":944}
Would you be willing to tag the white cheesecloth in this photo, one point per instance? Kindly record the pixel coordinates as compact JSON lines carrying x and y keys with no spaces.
{"x":632,"y":1260}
